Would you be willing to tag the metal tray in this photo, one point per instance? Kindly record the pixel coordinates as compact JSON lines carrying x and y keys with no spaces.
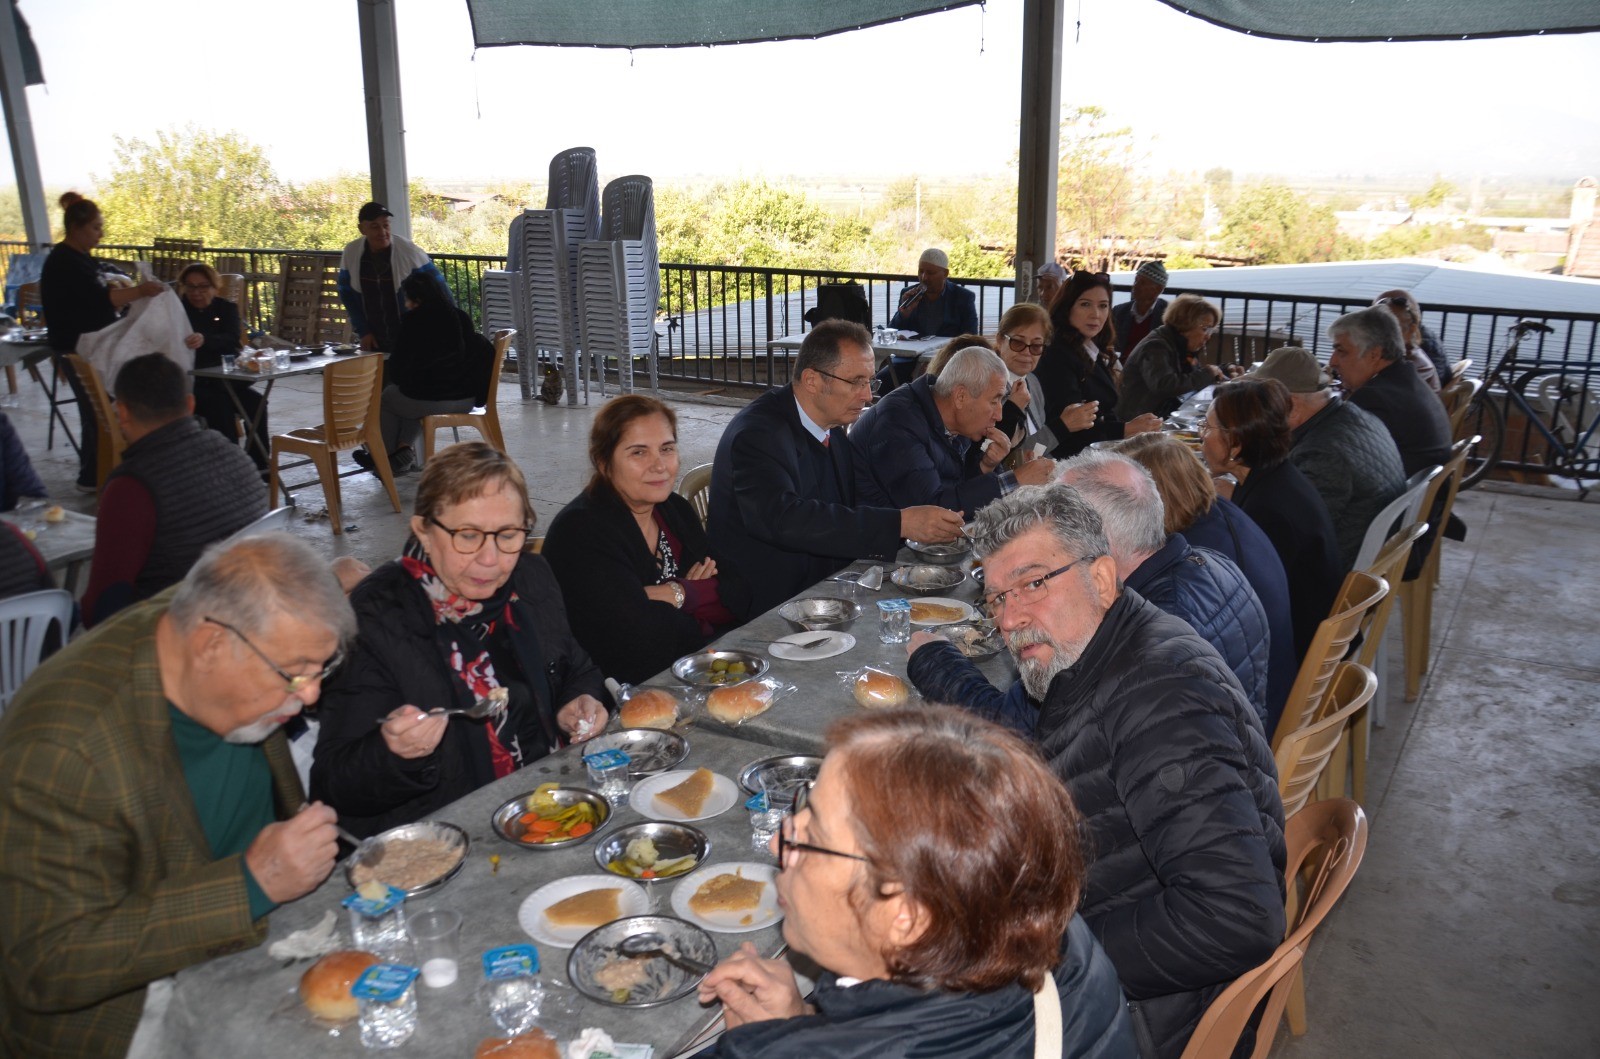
{"x":435,"y":829}
{"x":697,"y":669}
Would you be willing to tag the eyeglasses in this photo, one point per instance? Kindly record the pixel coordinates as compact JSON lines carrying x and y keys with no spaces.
{"x":789,"y":850}
{"x":1018,"y":345}
{"x":1029,"y":591}
{"x":468,"y":540}
{"x":292,"y":684}
{"x":870,"y":382}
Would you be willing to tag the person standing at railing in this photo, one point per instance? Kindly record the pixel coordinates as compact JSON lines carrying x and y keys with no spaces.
{"x":370,"y":273}
{"x":78,"y":299}
{"x":932,"y":306}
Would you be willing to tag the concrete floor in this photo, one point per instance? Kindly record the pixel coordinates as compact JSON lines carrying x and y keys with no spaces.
{"x":1473,"y":926}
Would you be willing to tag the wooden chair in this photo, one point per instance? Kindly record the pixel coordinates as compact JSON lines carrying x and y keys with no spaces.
{"x":534,"y":546}
{"x":1457,"y":398}
{"x":30,"y":313}
{"x":1416,"y":595}
{"x":696,"y":488}
{"x":1305,"y":755}
{"x":486,"y":422}
{"x":233,"y":289}
{"x":1353,"y":612}
{"x":111,"y":440}
{"x":309,"y":311}
{"x":350,"y":398}
{"x":1326,"y":842}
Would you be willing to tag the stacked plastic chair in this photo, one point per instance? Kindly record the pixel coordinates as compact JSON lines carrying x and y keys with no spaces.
{"x":497,"y":296}
{"x":544,"y":251}
{"x":619,"y":282}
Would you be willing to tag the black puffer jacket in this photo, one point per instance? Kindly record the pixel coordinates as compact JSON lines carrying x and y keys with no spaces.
{"x":397,"y":660}
{"x":1168,"y":764}
{"x":882,"y":1020}
{"x":1209,"y":592}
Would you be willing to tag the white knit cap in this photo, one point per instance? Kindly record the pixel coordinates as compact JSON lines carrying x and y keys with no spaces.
{"x":935,"y":257}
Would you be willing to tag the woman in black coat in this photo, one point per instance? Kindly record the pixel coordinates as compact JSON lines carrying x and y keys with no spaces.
{"x":462,"y":612}
{"x":1080,"y":388}
{"x":440,"y":365}
{"x":217,"y":332}
{"x":1246,"y":434}
{"x":631,"y":554}
{"x":1165,"y":366}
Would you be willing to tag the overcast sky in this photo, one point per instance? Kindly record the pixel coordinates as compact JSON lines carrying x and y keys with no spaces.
{"x":936,"y":95}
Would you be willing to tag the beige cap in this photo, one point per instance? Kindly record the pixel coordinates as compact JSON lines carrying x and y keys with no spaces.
{"x":935,"y":257}
{"x":1296,"y":368}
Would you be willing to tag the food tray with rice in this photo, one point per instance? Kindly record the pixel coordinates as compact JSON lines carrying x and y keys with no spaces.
{"x":418,"y":858}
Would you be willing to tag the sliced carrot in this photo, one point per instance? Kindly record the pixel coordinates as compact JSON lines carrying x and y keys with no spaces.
{"x":542,"y":826}
{"x":581,"y":828}
{"x":648,"y":873}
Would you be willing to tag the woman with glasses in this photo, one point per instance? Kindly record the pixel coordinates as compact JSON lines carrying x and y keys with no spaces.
{"x":933,"y":872}
{"x":631,"y":555}
{"x":1077,"y":373}
{"x":1166,"y":365}
{"x":218,"y":333}
{"x":1024,"y":333}
{"x":463,"y":611}
{"x":1246,"y":435}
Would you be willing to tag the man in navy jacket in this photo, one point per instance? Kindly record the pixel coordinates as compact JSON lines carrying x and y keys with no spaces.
{"x":788,"y":506}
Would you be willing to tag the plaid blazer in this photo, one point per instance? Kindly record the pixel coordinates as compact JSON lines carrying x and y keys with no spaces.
{"x":107,"y":882}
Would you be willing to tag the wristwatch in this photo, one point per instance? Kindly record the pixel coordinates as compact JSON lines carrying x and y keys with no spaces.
{"x":677,"y":594}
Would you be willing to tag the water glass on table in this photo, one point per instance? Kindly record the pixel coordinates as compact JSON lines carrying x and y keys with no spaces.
{"x":230,"y":362}
{"x":436,"y":935}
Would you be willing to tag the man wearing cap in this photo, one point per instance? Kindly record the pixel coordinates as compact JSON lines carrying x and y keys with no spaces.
{"x":1137,"y":317}
{"x":1345,"y":451}
{"x":370,"y":273}
{"x":1052,"y":277}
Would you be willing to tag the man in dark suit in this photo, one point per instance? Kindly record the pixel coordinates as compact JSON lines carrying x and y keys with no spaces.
{"x":788,"y":506}
{"x":151,"y":815}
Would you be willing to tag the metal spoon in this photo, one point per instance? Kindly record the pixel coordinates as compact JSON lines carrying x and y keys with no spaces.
{"x":802,"y":645}
{"x":653,"y":944}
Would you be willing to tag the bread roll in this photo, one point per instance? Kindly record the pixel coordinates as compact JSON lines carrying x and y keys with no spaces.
{"x":325,"y":987}
{"x":649,"y":708}
{"x":877,"y":690}
{"x":535,"y":1044}
{"x":740,"y":702}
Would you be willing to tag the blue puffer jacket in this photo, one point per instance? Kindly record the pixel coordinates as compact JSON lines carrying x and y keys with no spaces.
{"x":1208,"y":591}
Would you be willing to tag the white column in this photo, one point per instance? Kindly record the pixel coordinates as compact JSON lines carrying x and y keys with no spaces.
{"x":19,"y":130}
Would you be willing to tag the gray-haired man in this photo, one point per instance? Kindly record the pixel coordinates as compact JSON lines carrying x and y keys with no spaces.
{"x":1162,"y":752}
{"x":935,"y":441}
{"x":151,"y":814}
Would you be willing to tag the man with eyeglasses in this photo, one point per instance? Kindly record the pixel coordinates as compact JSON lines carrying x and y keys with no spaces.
{"x":791,"y":501}
{"x":935,"y":441}
{"x":1160,"y":747}
{"x":179,"y":488}
{"x":151,"y":815}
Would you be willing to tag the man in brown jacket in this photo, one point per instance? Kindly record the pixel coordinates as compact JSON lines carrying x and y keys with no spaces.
{"x":151,"y":816}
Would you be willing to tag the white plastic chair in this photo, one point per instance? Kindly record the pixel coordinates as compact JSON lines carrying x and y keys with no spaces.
{"x":24,"y":621}
{"x":274,"y":521}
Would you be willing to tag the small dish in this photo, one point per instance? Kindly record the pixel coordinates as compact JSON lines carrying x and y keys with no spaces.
{"x":671,"y":841}
{"x":789,"y":649}
{"x":928,"y":577}
{"x":378,"y":846}
{"x":764,"y":914}
{"x":780,"y":777}
{"x":724,"y":796}
{"x":715,"y":669}
{"x":974,"y":639}
{"x":815,"y":613}
{"x":938,"y":553}
{"x":664,"y":981}
{"x":633,"y":901}
{"x":940,"y":611}
{"x":649,"y":750}
{"x":506,"y":826}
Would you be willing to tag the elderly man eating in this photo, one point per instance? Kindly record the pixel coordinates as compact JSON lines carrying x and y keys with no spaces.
{"x":151,"y":815}
{"x":935,"y":441}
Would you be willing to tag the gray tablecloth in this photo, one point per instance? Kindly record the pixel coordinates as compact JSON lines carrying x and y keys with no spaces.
{"x":245,"y":1005}
{"x":799,"y":720}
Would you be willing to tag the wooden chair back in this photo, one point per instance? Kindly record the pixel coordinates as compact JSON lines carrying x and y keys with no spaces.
{"x":309,"y":311}
{"x":30,"y":306}
{"x":696,"y":488}
{"x":111,"y":440}
{"x":351,"y":394}
{"x":1304,"y":753}
{"x":168,"y":257}
{"x":1326,"y":841}
{"x":1353,"y":611}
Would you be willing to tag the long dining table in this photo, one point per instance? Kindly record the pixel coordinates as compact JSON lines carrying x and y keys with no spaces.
{"x":245,"y":1003}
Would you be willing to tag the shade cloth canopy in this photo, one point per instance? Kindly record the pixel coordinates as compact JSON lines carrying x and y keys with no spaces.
{"x":680,"y":23}
{"x":1393,"y":20}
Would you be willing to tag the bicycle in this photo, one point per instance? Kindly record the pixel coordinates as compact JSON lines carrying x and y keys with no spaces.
{"x":1563,"y":399}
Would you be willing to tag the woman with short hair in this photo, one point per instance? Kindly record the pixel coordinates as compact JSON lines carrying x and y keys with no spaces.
{"x":1246,"y":435}
{"x":631,"y":554}
{"x":1166,"y":365}
{"x":941,"y":934}
{"x":218,"y":333}
{"x":463,"y":611}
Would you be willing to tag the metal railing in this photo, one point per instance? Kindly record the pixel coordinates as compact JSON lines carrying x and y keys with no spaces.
{"x":716,"y":323}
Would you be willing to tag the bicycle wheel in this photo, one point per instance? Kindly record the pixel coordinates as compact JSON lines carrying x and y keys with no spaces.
{"x":1486,"y":419}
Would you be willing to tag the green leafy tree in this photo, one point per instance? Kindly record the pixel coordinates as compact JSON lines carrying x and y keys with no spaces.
{"x":1096,"y":187}
{"x":1435,"y":196}
{"x":196,"y":184}
{"x":1273,"y":225}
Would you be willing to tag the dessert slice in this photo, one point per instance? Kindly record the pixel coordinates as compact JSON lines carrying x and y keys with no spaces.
{"x":689,"y":797}
{"x":588,"y":909}
{"x":726,"y":893}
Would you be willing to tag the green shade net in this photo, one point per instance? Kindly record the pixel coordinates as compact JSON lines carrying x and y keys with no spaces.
{"x":680,"y":23}
{"x":1384,"y":20}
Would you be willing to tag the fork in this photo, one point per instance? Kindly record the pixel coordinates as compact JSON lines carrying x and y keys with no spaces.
{"x":799,"y":645}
